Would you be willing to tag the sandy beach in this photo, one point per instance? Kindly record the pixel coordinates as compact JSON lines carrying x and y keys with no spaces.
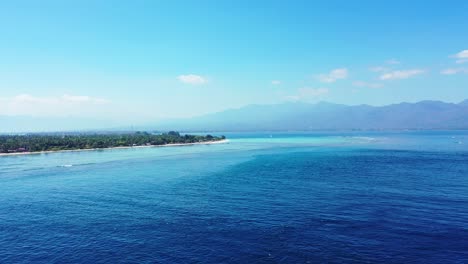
{"x":125,"y":147}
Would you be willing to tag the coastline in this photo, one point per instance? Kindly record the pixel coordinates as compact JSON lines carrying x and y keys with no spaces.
{"x":223,"y":141}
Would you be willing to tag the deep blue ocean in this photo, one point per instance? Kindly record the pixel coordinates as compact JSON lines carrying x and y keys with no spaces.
{"x":357,"y":197}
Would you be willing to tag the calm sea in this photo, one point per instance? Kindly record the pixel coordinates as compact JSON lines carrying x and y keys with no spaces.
{"x":382,"y":197}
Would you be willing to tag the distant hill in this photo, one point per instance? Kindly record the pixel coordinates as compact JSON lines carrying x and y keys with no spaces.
{"x":277,"y":117}
{"x":328,"y":116}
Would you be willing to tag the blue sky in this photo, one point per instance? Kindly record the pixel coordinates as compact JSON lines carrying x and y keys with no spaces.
{"x":132,"y":60}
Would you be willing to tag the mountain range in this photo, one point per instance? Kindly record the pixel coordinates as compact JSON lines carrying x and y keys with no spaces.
{"x":293,"y":116}
{"x":300,"y":116}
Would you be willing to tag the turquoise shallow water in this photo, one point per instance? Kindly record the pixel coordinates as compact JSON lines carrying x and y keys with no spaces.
{"x":263,"y":197}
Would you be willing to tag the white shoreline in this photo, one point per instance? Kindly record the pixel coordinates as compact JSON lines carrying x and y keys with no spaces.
{"x":123,"y":147}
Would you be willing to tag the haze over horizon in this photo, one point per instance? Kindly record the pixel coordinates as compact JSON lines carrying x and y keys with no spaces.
{"x":289,"y":116}
{"x":129,"y":63}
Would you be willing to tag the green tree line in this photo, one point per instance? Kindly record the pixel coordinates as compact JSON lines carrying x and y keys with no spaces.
{"x":39,"y":142}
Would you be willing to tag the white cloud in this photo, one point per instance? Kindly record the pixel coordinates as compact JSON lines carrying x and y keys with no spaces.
{"x":392,"y":61}
{"x":26,"y":104}
{"x":452,"y":71}
{"x":379,"y":69}
{"x":192,"y":79}
{"x":311,"y":92}
{"x":83,"y":99}
{"x":308,"y":94}
{"x":385,"y":68}
{"x":461,"y":56}
{"x":362,"y":84}
{"x":276,"y":82}
{"x":332,"y":76}
{"x":404,"y":74}
{"x":293,"y":97}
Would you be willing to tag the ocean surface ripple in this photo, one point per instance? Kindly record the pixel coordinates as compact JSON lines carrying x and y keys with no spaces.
{"x":302,"y":198}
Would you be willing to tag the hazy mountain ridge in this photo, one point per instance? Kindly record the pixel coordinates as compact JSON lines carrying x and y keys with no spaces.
{"x":329,"y":116}
{"x":276,"y":117}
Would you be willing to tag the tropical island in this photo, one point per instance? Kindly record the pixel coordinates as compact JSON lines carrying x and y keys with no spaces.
{"x":34,"y":143}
